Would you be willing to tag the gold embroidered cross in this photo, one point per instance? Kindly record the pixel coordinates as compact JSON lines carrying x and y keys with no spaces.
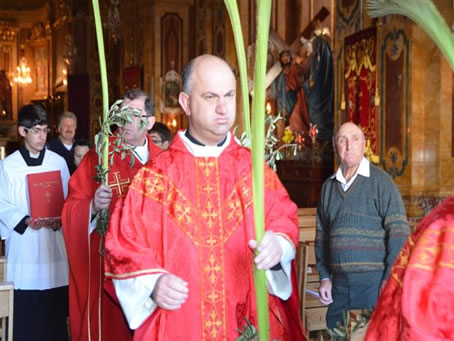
{"x":213,"y":296}
{"x":210,"y":214}
{"x":156,"y":185}
{"x":206,"y":165}
{"x":245,"y":191}
{"x":211,"y":241}
{"x":183,"y":213}
{"x":212,"y":268}
{"x":213,"y":323}
{"x":121,"y":185}
{"x":208,"y":188}
{"x":234,"y":209}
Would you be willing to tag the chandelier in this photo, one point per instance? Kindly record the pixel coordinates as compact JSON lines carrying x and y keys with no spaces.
{"x":22,"y":76}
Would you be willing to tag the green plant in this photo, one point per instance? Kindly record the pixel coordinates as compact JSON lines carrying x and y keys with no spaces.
{"x":117,"y":116}
{"x":249,"y":332}
{"x":272,"y":152}
{"x":343,"y":331}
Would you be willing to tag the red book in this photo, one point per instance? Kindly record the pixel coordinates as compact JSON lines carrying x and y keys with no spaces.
{"x":46,"y":194}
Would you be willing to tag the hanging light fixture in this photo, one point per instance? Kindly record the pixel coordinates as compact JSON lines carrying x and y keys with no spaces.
{"x":22,"y":76}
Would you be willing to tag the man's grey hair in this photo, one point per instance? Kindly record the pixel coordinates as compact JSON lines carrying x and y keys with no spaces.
{"x":66,"y":114}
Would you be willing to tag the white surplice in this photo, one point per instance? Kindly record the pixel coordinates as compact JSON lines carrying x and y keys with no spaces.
{"x":37,"y":258}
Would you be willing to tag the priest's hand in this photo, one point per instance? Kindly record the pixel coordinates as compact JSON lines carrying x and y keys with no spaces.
{"x":325,"y":291}
{"x":170,"y":292}
{"x":102,"y":199}
{"x":35,"y":223}
{"x":269,"y":251}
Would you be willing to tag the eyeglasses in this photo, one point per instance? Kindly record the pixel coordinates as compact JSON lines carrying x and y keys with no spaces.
{"x":36,"y":131}
{"x":156,"y":141}
{"x":138,"y":115}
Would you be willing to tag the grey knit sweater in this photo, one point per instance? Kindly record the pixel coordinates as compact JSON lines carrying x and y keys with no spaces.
{"x":362,"y":229}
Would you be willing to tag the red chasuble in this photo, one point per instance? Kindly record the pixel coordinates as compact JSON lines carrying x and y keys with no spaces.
{"x":418,"y":300}
{"x":90,"y":301}
{"x":193,"y":217}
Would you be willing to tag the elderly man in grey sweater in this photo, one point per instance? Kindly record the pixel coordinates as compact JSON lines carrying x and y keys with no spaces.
{"x":361,"y":226}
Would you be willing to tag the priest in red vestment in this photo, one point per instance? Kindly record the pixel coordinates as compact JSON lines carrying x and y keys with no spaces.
{"x":180,"y":246}
{"x":417,"y":302}
{"x":94,"y":311}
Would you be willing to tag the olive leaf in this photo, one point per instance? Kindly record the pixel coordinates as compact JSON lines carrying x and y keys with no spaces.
{"x":107,"y":138}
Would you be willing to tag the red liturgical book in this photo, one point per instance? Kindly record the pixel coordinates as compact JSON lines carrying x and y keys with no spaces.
{"x":46,"y":194}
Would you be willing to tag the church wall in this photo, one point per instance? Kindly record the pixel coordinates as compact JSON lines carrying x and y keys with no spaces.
{"x":159,"y":51}
{"x":422,"y":165}
{"x":446,"y":137}
{"x":446,"y":131}
{"x":427,"y":180}
{"x":148,"y":61}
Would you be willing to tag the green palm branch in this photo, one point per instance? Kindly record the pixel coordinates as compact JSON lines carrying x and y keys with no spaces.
{"x":232,"y":10}
{"x":424,"y":14}
{"x":257,"y":137}
{"x":258,"y":156}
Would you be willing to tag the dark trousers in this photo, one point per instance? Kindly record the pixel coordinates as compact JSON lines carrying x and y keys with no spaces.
{"x":40,"y":315}
{"x":353,"y":291}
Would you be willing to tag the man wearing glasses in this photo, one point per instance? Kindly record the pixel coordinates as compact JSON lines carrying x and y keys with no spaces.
{"x":37,"y":262}
{"x":101,"y":318}
{"x":161,"y":135}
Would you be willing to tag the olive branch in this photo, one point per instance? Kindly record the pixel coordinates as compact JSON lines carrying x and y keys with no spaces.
{"x":273,"y":152}
{"x":117,"y":116}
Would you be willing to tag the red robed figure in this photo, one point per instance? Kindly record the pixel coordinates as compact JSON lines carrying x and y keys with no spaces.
{"x":418,"y":300}
{"x":91,"y":296}
{"x":193,"y":217}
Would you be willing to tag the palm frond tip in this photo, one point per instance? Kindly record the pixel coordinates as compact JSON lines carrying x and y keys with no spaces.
{"x":424,"y":14}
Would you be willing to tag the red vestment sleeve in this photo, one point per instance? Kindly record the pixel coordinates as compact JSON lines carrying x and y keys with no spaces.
{"x":134,"y":241}
{"x":418,"y":299}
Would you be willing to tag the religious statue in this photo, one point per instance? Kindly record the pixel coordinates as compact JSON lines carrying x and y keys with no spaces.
{"x":6,"y":111}
{"x":319,"y":87}
{"x":288,"y":91}
{"x":304,"y":91}
{"x":172,"y":87}
{"x":280,"y":89}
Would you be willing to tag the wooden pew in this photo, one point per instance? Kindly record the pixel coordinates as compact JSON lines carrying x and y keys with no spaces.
{"x":2,"y":269}
{"x":6,"y":309}
{"x":312,"y":311}
{"x":306,"y":222}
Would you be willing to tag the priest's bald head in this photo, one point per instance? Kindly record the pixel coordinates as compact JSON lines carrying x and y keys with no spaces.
{"x":209,"y":98}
